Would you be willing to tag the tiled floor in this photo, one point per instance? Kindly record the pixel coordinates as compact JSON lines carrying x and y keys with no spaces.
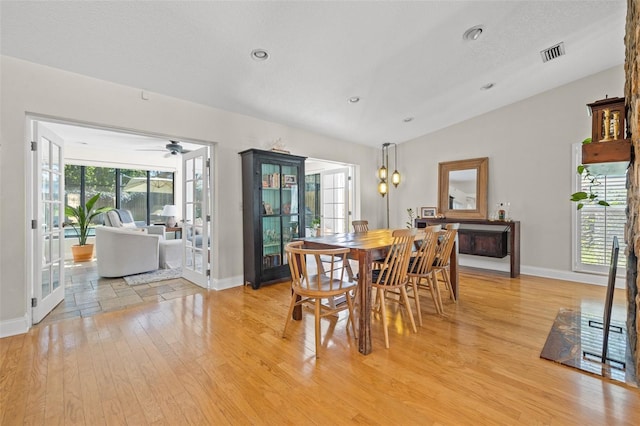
{"x":87,"y":294}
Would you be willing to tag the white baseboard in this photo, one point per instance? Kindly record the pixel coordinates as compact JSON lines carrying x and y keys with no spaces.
{"x":580,"y":277}
{"x":14,"y":326}
{"x":226,"y":283}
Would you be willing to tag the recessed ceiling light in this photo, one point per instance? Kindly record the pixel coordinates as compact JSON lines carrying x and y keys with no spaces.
{"x":408,"y":119}
{"x":354,"y":99}
{"x":259,"y":55}
{"x":487,"y":86}
{"x":473,"y":33}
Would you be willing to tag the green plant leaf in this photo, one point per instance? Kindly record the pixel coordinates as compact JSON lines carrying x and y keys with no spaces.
{"x":580,"y":205}
{"x":603,"y":203}
{"x":581,"y":168}
{"x":586,"y":141}
{"x":578,"y":196}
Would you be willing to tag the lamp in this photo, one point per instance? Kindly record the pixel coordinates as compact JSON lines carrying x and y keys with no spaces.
{"x":383,"y":173}
{"x":170,"y":211}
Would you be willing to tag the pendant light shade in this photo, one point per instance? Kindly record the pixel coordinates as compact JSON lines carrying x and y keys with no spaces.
{"x":395,"y":178}
{"x":383,"y":188}
{"x":382,"y":172}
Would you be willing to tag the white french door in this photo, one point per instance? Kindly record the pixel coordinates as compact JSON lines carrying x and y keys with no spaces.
{"x":47,"y":230}
{"x":196,"y":211}
{"x":334,"y":200}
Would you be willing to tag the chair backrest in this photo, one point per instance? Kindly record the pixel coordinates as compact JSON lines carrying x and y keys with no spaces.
{"x":445,"y":245}
{"x":422,"y":259}
{"x":360,"y":225}
{"x":119,"y":218}
{"x":452,"y":226}
{"x":333,"y":279}
{"x":393,"y":272}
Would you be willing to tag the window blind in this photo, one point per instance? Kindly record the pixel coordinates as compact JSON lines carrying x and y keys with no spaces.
{"x":597,"y":225}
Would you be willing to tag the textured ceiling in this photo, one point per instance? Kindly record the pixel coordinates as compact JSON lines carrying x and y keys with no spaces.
{"x":403,"y":59}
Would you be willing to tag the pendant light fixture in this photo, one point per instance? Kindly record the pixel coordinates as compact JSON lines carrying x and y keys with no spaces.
{"x":383,"y":171}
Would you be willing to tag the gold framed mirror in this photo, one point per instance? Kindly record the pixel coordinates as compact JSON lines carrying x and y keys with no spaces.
{"x":462,"y":188}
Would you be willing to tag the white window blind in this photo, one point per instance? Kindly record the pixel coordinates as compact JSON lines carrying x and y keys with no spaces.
{"x":597,"y":225}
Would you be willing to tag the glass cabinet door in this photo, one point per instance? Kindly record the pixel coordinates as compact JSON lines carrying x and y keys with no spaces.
{"x":279,"y":212}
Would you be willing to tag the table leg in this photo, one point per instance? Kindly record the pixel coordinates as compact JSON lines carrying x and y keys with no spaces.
{"x":453,"y":269}
{"x":365,"y":259}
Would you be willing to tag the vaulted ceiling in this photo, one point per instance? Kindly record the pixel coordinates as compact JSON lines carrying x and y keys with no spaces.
{"x":407,"y":62}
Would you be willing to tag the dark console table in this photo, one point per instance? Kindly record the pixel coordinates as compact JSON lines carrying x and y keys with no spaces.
{"x":490,"y":238}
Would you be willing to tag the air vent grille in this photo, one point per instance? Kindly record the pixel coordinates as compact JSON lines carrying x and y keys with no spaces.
{"x":552,"y":52}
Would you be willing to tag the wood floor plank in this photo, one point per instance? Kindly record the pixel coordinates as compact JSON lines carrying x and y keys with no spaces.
{"x":219,"y":358}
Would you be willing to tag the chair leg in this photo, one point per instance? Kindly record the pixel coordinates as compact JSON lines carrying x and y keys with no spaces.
{"x":436,"y":288}
{"x":287,"y":320}
{"x":447,"y":280}
{"x":435,"y":296}
{"x":317,"y":321}
{"x":384,"y":317}
{"x":416,"y":296}
{"x":405,"y":298}
{"x":347,"y":265}
{"x":352,"y":317}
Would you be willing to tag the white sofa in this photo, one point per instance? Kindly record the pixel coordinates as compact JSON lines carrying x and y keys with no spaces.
{"x":120,"y":218}
{"x":122,"y":251}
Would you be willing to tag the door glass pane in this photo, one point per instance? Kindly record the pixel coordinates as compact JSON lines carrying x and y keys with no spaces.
{"x":45,"y":147}
{"x":55,"y":272}
{"x":46,"y":217}
{"x":55,"y":247}
{"x":189,"y":172}
{"x":46,"y":281}
{"x":46,"y":247}
{"x":46,"y":186}
{"x":188,"y":196}
{"x":55,"y":186}
{"x":55,"y":215}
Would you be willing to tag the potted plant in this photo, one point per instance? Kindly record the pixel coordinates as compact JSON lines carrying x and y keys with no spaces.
{"x":412,"y":216}
{"x":83,"y":215}
{"x":592,"y":196}
{"x":315,"y":224}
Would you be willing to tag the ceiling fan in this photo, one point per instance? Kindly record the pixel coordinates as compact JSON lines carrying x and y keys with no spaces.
{"x":175,"y":148}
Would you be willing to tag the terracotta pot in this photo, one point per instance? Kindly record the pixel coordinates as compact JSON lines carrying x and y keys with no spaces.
{"x":82,"y":253}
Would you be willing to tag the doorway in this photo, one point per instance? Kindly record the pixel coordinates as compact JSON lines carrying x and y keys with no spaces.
{"x":331,"y":196}
{"x":105,"y":147}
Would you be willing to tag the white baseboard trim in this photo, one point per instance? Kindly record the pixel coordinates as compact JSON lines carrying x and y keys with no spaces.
{"x":580,"y":277}
{"x":473,"y":262}
{"x":14,"y":326}
{"x":226,"y":283}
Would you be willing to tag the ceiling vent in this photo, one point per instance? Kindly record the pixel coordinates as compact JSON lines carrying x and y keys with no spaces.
{"x":553,"y":52}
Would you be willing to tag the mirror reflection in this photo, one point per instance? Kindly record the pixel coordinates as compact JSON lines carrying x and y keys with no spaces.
{"x":462,"y":189}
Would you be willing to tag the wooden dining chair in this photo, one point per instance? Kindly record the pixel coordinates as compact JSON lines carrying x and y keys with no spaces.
{"x":441,"y":263}
{"x":392,"y":276}
{"x":360,"y":225}
{"x":420,"y":267}
{"x":312,"y":289}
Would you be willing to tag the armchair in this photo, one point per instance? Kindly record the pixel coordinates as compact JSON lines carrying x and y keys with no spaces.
{"x":121,"y":252}
{"x":121,"y":218}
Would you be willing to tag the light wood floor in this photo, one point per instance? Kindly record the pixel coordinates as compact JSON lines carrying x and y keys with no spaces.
{"x":218,"y":358}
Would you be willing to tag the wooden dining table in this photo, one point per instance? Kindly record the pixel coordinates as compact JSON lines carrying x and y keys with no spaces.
{"x":364,"y":248}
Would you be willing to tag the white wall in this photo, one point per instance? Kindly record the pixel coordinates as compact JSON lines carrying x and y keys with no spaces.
{"x":530,"y":165}
{"x":31,"y":88}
